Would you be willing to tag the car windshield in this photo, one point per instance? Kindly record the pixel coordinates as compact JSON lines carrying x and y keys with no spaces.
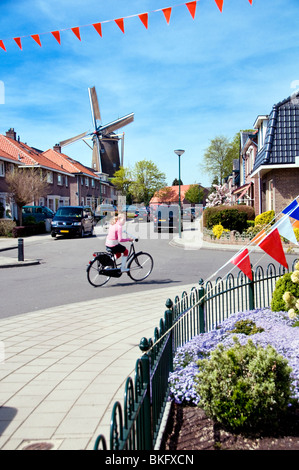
{"x":69,"y":212}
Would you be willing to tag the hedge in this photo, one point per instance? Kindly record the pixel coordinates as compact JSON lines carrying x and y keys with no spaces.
{"x":28,"y":230}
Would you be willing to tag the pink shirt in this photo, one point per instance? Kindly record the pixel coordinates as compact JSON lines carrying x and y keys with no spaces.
{"x":114,"y":236}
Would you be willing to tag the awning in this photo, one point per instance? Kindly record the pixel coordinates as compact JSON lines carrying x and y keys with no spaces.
{"x":241,"y":190}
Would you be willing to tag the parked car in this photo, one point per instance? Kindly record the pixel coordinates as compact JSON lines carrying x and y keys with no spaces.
{"x":40,"y":213}
{"x":72,"y":220}
{"x":105,"y":210}
{"x":167,"y":218}
{"x":189,"y":214}
{"x":143,"y":215}
{"x":130,"y":211}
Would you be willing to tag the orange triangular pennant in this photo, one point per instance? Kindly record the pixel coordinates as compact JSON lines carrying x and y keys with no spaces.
{"x":120,"y":24}
{"x":167,"y":13}
{"x":272,"y":246}
{"x":242,"y":262}
{"x":2,"y":45}
{"x":98,"y":28}
{"x":144,"y":19}
{"x":36,"y":39}
{"x":219,"y":4}
{"x":295,"y":224}
{"x":76,"y":31}
{"x":259,"y":237}
{"x":56,"y":35}
{"x":192,"y":8}
{"x":250,"y":1}
{"x":18,"y":41}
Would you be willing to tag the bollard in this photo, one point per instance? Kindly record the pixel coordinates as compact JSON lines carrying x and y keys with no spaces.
{"x":20,"y":249}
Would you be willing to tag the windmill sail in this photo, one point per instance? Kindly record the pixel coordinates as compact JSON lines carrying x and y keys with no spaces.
{"x":105,"y":153}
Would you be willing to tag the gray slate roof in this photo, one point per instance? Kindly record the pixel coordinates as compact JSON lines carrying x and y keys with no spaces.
{"x":282,"y":137}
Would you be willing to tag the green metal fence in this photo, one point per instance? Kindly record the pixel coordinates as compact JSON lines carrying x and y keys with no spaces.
{"x":136,"y":425}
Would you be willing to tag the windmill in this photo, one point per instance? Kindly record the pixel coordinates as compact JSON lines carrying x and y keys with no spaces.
{"x":105,"y":152}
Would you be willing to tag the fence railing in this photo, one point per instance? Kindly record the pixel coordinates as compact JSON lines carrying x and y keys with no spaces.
{"x":136,"y":426}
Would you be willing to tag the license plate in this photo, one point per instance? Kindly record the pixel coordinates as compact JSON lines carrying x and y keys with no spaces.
{"x":64,"y":231}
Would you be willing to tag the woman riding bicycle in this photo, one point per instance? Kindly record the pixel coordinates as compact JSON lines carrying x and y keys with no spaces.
{"x":115,"y":238}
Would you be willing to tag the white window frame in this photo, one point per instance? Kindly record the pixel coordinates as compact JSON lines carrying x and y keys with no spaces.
{"x":2,"y":169}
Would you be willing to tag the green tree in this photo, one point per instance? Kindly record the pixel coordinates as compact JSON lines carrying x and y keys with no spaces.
{"x":147,"y":179}
{"x":218,"y":158}
{"x":194,"y":194}
{"x":177,"y":182}
{"x":122,"y":181}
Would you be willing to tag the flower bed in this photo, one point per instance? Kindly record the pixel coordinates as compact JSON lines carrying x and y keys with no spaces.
{"x":279,"y":332}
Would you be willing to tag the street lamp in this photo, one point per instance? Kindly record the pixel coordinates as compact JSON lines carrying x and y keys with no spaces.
{"x":179,"y":153}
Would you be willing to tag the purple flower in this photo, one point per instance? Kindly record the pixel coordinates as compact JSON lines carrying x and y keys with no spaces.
{"x":278,"y":332}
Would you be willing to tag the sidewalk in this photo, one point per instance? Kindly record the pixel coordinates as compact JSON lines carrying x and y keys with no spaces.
{"x":63,"y":368}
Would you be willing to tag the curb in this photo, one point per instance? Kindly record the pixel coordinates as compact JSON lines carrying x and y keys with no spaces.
{"x":10,"y":263}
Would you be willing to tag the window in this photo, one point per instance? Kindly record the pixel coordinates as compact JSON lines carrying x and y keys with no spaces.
{"x":271,"y":195}
{"x":86,"y":182}
{"x":92,"y":183}
{"x":49,"y":176}
{"x":66,"y":181}
{"x":2,"y":169}
{"x":59,"y":179}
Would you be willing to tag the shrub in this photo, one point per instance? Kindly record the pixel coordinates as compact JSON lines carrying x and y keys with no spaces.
{"x":296,"y":231}
{"x":6,"y":227}
{"x":244,"y":386}
{"x":28,"y":230}
{"x":264,"y":218}
{"x":230,"y":219}
{"x":246,"y":327}
{"x":210,"y":212}
{"x":217,"y":230}
{"x":286,"y":293}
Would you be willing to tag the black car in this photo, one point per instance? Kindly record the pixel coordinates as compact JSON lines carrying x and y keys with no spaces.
{"x":72,"y":220}
{"x":143,"y":215}
{"x":167,"y":218}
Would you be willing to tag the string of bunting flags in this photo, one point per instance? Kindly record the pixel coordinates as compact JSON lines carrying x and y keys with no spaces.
{"x":269,"y":239}
{"x":191,"y":6}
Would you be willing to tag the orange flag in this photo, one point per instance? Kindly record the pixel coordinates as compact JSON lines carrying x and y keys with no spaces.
{"x":144,"y":19}
{"x":259,"y":237}
{"x":272,"y":245}
{"x":295,"y":224}
{"x":76,"y":31}
{"x":192,"y":8}
{"x":167,"y":13}
{"x":242,"y":262}
{"x":219,"y":4}
{"x":37,"y":39}
{"x":2,"y":45}
{"x":250,"y":1}
{"x":18,"y":41}
{"x":120,"y":24}
{"x":98,"y":28}
{"x":56,"y":35}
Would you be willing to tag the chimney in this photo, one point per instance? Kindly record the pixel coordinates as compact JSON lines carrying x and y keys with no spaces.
{"x":11,"y":133}
{"x":57,"y":148}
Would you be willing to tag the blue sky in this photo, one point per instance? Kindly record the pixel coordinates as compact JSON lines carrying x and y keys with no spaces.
{"x":186,"y":82}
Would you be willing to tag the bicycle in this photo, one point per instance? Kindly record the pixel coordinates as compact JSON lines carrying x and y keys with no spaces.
{"x":104,"y":266}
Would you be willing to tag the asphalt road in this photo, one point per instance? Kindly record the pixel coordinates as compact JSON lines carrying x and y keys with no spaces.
{"x":60,"y":278}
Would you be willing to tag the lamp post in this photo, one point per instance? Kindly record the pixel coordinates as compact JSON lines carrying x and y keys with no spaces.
{"x":179,"y":153}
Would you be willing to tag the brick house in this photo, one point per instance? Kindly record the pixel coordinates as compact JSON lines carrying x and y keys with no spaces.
{"x":170,"y":195}
{"x":269,"y":159}
{"x":69,"y":182}
{"x":14,"y":153}
{"x":86,"y":187}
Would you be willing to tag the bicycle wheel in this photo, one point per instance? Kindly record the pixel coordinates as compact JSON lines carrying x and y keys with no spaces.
{"x":140,"y":266}
{"x":95,"y":274}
